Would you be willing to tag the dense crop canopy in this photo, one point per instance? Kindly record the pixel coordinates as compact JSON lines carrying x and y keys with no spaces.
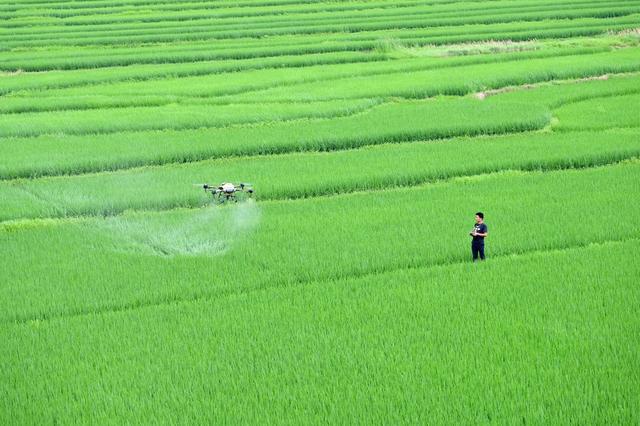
{"x":343,"y":291}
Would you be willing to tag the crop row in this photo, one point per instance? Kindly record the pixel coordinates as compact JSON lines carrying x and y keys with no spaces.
{"x":344,"y":291}
{"x":161,"y":20}
{"x":73,"y":78}
{"x":557,"y":93}
{"x":449,"y":76}
{"x":175,"y":117}
{"x":177,"y":10}
{"x":148,"y":258}
{"x":219,"y":11}
{"x":394,"y":122}
{"x":437,"y":58}
{"x":368,"y":350}
{"x":65,"y":58}
{"x":389,"y":123}
{"x":247,"y":5}
{"x":563,"y":29}
{"x":452,"y":81}
{"x":283,"y":69}
{"x":183,"y":90}
{"x":618,"y":111}
{"x":411,"y":17}
{"x":106,"y":3}
{"x":313,"y":174}
{"x":303,"y":14}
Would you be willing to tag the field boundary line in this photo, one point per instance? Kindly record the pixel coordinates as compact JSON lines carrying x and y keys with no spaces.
{"x":190,"y":158}
{"x":480,"y":59}
{"x":345,"y":45}
{"x":340,"y":112}
{"x":373,"y":57}
{"x":225,"y":99}
{"x":358,"y":25}
{"x":561,"y":82}
{"x":330,"y":146}
{"x":7,"y":225}
{"x":225,"y":293}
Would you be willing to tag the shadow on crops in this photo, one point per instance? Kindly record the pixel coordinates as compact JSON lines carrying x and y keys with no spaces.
{"x":209,"y":231}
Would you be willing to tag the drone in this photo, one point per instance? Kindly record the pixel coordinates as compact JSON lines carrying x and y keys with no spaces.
{"x":227,"y":191}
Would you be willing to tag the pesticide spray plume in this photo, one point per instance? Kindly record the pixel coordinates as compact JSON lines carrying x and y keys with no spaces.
{"x":208,"y":231}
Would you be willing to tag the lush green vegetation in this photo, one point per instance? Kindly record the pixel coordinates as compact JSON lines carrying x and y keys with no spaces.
{"x":179,"y":243}
{"x":391,"y":122}
{"x":390,"y":333}
{"x":343,"y":292}
{"x":615,"y":111}
{"x":300,"y":175}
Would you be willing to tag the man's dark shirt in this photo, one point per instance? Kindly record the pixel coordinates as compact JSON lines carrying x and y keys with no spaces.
{"x":480,"y":228}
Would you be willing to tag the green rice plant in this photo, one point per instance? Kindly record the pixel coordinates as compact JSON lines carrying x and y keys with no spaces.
{"x":155,"y":93}
{"x":171,"y":12}
{"x":417,"y":36}
{"x":344,"y":291}
{"x":31,"y":104}
{"x":558,"y":93}
{"x":457,"y":81}
{"x":17,"y":202}
{"x":353,"y":77}
{"x":615,"y":111}
{"x":502,"y":31}
{"x":169,"y":117}
{"x":281,"y":243}
{"x":222,"y":11}
{"x":392,"y":122}
{"x":156,"y":11}
{"x":121,"y":16}
{"x":92,"y":57}
{"x":70,"y":78}
{"x":196,"y":90}
{"x":488,"y":340}
{"x":73,"y":78}
{"x":302,"y":175}
{"x":407,"y":17}
{"x":169,"y":53}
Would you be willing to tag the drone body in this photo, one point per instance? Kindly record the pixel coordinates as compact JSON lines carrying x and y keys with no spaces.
{"x":228,"y":191}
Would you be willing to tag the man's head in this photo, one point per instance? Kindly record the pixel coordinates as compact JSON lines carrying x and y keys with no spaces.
{"x":479,"y":217}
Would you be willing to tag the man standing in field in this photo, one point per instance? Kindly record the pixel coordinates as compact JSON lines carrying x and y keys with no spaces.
{"x":479,"y":232}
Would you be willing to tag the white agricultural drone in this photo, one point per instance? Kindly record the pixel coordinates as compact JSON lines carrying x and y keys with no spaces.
{"x":227,"y":191}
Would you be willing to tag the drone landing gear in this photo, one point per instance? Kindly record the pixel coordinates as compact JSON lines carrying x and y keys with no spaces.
{"x":224,"y":198}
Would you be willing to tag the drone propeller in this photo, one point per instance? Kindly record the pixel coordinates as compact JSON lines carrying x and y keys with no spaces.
{"x":204,"y":186}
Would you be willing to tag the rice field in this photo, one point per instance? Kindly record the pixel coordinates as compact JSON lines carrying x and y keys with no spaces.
{"x":343,"y":291}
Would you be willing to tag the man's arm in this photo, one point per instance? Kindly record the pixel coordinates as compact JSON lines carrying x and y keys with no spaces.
{"x":481,"y":234}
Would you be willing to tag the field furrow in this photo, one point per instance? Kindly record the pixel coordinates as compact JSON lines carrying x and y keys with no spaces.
{"x":384,"y":20}
{"x":304,"y":175}
{"x":392,"y":122}
{"x":295,"y":235}
{"x":94,"y":57}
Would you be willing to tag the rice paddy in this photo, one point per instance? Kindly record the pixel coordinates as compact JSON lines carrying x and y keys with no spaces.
{"x":343,"y":291}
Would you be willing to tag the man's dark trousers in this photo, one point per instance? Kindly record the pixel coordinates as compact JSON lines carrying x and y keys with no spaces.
{"x":477,"y":248}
